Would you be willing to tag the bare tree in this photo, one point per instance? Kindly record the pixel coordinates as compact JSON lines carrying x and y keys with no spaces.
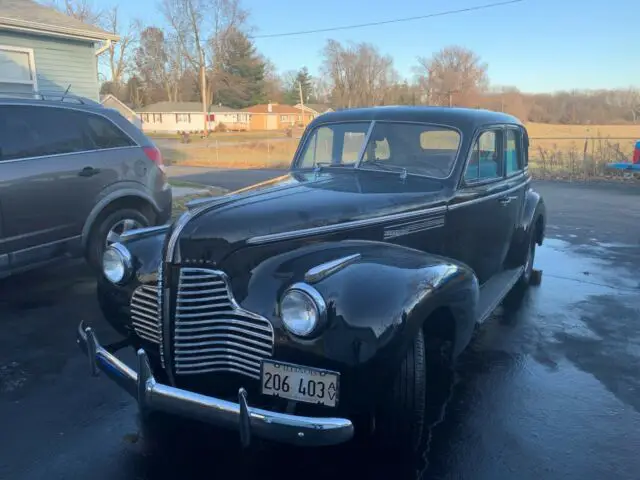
{"x":201,"y":29}
{"x":158,"y":62}
{"x":359,"y":74}
{"x":119,"y":53}
{"x":454,"y":76}
{"x":82,"y":10}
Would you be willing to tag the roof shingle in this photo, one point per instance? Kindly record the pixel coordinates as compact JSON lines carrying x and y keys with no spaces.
{"x":183,"y":107}
{"x":27,"y":14}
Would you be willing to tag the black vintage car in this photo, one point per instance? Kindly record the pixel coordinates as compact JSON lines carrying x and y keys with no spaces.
{"x":312,"y":306}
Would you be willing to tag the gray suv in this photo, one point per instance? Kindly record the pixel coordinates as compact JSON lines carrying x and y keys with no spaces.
{"x":74,"y":176}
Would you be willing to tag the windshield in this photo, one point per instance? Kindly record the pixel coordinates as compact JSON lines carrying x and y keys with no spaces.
{"x":334,"y":144}
{"x":415,"y":148}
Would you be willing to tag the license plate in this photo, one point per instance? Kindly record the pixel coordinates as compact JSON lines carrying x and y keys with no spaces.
{"x":303,"y":384}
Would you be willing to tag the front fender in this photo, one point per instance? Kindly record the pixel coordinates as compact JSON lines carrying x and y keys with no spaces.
{"x":376,"y":304}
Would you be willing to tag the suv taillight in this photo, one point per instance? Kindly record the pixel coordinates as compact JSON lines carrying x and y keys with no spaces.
{"x":154,"y":154}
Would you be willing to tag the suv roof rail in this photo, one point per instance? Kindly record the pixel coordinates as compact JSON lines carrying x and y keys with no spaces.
{"x":50,"y":95}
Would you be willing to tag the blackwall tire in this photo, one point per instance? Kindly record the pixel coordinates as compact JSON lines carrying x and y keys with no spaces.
{"x":400,"y":418}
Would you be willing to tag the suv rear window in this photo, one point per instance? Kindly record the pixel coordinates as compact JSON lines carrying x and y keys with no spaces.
{"x":105,"y":134}
{"x":31,"y":131}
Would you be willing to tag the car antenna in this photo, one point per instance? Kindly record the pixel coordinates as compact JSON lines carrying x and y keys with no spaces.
{"x":65,"y":93}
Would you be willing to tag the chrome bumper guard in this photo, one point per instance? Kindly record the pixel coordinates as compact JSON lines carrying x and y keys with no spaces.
{"x":249,"y":421}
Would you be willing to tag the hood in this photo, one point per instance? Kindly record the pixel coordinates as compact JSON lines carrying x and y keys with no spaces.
{"x":300,"y":201}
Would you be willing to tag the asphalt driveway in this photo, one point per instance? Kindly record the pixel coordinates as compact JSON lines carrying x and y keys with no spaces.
{"x":551,"y":390}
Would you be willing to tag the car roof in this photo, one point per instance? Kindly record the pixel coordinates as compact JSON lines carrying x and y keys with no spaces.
{"x":70,"y":102}
{"x":461,"y":118}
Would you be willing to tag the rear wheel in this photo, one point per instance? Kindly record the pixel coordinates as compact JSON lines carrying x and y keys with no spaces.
{"x":108,"y":230}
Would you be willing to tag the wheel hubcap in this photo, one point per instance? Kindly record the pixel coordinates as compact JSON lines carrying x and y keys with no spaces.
{"x":119,"y":228}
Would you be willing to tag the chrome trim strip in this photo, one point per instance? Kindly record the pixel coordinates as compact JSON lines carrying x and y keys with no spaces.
{"x":489,"y":197}
{"x":322,"y":271}
{"x":408,"y":228}
{"x":53,"y":155}
{"x":143,"y":232}
{"x":293,"y":234}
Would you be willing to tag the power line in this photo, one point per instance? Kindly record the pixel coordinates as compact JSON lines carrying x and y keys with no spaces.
{"x":397,"y":20}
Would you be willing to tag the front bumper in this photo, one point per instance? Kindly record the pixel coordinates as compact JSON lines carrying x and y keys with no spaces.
{"x":249,"y":421}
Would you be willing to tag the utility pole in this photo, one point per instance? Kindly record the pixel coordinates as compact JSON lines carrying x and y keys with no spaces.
{"x":301,"y":103}
{"x":204,"y":94}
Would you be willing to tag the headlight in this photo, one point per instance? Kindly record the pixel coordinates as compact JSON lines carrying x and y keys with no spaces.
{"x":117,"y":264}
{"x":303,"y":310}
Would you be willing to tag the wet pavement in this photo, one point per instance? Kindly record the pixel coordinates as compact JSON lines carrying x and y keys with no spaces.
{"x":550,"y":390}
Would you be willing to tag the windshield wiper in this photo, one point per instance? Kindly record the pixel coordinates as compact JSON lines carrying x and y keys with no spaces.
{"x":386,"y":167}
{"x":319,"y":165}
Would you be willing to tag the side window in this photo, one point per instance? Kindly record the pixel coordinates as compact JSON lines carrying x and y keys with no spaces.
{"x":27,"y":131}
{"x":513,"y":151}
{"x":485,"y":162}
{"x":319,"y":148}
{"x":105,"y":134}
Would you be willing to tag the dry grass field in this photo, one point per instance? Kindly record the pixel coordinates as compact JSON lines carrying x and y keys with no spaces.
{"x":579,"y":151}
{"x":566,"y":151}
{"x":254,"y":154}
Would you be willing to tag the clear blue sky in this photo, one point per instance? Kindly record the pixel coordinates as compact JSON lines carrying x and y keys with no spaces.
{"x":536,"y":45}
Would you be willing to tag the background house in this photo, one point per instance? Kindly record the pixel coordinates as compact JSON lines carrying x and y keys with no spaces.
{"x":173,"y":117}
{"x":273,"y":116}
{"x":43,"y":49}
{"x":110,"y":101}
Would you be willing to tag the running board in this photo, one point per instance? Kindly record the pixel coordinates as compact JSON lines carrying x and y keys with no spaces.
{"x":494,"y":291}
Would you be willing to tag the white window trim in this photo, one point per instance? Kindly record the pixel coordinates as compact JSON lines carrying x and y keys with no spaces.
{"x":32,"y":67}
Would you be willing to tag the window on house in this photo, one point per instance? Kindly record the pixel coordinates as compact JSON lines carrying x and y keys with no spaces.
{"x":284,"y":118}
{"x":157,"y":118}
{"x":17,"y":70}
{"x":182,"y":118}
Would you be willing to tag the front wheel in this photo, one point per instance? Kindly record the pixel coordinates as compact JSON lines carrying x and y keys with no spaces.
{"x":401,"y":414}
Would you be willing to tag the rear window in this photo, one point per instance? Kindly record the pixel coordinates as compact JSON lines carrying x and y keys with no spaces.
{"x":105,"y":134}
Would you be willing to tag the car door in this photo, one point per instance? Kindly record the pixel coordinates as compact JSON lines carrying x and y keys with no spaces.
{"x":46,"y":168}
{"x":482,"y":213}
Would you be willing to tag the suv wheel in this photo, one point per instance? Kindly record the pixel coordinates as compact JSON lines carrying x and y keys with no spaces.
{"x":108,"y":230}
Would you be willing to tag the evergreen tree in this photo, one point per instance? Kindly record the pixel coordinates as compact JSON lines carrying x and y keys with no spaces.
{"x":240,"y":73}
{"x":301,"y":79}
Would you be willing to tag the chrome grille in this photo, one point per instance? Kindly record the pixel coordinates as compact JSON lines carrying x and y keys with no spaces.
{"x":145,"y":314}
{"x":212,"y":332}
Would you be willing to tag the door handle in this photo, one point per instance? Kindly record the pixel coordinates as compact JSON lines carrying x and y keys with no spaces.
{"x":504,"y":201}
{"x":88,"y":172}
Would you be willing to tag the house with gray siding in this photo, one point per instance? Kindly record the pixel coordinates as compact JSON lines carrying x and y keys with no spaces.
{"x":44,"y":50}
